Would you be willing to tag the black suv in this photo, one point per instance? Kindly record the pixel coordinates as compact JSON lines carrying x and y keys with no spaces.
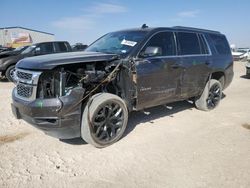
{"x":9,"y":60}
{"x":90,"y":93}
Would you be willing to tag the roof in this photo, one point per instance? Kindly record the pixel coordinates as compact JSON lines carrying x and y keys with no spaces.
{"x":175,"y":28}
{"x":195,"y":29}
{"x":26,"y":29}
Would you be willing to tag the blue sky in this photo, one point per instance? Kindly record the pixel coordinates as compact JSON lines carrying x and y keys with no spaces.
{"x":86,"y":20}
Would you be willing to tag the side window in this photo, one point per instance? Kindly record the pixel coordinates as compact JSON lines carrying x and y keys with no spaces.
{"x":46,"y":48}
{"x":162,"y":43}
{"x":62,"y":47}
{"x":188,"y":43}
{"x":220,"y":43}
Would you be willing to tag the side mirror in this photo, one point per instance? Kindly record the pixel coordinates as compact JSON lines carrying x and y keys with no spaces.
{"x":37,"y":51}
{"x":152,"y":51}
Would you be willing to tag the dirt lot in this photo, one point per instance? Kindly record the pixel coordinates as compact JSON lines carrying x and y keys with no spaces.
{"x":178,"y":147}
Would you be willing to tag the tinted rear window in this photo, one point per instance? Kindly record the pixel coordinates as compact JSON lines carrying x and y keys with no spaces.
{"x":220,"y":44}
{"x":188,"y":43}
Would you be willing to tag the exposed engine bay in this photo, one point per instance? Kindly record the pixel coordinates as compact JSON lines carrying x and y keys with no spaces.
{"x":60,"y":81}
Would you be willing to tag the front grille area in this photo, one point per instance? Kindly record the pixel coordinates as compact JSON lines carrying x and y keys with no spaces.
{"x":24,"y":75}
{"x":27,"y":82}
{"x":24,"y":90}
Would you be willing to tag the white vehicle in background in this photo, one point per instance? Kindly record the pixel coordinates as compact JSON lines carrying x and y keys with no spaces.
{"x":241,"y":54}
{"x":245,"y":51}
{"x":237,"y":55}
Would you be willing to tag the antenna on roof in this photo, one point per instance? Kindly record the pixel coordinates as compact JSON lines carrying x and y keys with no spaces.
{"x":144,"y":26}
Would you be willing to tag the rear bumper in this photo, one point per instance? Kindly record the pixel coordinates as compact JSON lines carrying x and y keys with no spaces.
{"x":51,"y":115}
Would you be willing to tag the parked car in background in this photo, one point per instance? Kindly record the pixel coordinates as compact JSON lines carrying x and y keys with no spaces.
{"x":79,"y":47}
{"x":91,"y":93}
{"x":9,"y":60}
{"x":245,"y":52}
{"x":241,"y":54}
{"x":13,"y":52}
{"x":4,"y":49}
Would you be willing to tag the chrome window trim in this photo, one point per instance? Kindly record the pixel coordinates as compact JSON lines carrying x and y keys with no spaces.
{"x":208,"y":47}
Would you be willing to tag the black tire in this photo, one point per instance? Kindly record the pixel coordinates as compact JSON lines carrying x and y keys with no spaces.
{"x":104,"y":120}
{"x":210,"y":97}
{"x":10,"y":73}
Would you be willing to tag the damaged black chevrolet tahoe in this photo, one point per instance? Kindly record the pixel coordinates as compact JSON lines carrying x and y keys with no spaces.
{"x":90,"y":94}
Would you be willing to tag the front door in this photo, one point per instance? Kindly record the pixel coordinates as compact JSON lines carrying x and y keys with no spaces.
{"x":159,"y":73}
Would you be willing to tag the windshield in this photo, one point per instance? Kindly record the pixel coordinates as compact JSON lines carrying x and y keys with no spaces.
{"x":117,"y":42}
{"x":28,"y":49}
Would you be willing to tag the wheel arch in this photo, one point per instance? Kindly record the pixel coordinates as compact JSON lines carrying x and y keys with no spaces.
{"x":8,"y":63}
{"x":218,"y":75}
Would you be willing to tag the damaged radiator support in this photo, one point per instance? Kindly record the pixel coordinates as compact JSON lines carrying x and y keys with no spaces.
{"x":62,"y":82}
{"x":106,"y":80}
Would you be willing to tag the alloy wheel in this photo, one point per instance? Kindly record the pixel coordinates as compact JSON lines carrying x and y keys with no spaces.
{"x":214,"y":96}
{"x":107,"y":122}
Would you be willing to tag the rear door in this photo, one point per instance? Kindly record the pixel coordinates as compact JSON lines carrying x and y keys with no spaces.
{"x":158,"y":76}
{"x":192,"y":49}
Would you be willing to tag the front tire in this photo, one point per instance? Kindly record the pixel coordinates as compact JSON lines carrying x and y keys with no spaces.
{"x":104,"y":120}
{"x":9,"y":74}
{"x":210,"y":97}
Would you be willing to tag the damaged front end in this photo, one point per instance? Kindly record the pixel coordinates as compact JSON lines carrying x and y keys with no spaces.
{"x":52,"y":100}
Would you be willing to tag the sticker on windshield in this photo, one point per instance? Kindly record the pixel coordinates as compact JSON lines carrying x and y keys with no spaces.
{"x":128,"y":43}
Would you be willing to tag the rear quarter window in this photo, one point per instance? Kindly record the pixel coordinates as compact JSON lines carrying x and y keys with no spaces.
{"x":220,"y":44}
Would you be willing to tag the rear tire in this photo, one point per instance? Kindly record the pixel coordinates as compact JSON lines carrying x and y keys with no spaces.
{"x":9,"y":74}
{"x":210,"y":97}
{"x":104,"y":120}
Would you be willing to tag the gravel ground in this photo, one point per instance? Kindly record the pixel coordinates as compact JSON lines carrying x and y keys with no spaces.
{"x":178,"y":147}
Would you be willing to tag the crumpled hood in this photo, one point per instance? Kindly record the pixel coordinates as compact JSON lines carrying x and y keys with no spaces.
{"x":48,"y":62}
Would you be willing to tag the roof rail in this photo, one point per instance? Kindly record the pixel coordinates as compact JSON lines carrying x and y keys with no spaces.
{"x":195,"y":29}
